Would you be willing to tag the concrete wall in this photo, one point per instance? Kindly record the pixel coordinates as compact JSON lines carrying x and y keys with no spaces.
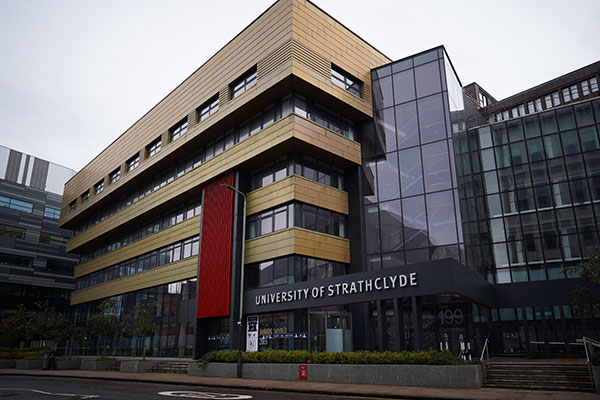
{"x":449,"y":376}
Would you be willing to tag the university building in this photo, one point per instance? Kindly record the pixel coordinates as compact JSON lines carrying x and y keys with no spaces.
{"x":33,"y":264}
{"x":364,"y":203}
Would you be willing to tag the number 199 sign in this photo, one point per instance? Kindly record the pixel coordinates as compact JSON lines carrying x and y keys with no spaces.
{"x":252,"y":333}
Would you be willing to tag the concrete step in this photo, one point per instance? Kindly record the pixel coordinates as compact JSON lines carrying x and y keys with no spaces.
{"x":568,"y":377}
{"x":171,"y":367}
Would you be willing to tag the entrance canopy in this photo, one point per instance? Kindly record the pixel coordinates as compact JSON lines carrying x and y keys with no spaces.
{"x":426,"y":279}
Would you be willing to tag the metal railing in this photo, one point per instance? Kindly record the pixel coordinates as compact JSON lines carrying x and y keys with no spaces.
{"x":588,"y":355}
{"x":485,"y":354}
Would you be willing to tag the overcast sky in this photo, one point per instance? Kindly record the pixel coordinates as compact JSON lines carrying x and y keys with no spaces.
{"x":75,"y":74}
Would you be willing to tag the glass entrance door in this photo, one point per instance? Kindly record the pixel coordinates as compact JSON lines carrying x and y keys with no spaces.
{"x":330,"y":331}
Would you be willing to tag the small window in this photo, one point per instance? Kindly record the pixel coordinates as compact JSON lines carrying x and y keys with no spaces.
{"x":594,"y":84}
{"x":538,"y":104}
{"x":12,"y":231}
{"x":55,"y":240}
{"x":133,"y":163}
{"x":85,"y":197}
{"x":530,"y":107}
{"x":153,"y":148}
{"x":566,"y":95}
{"x":209,"y":108}
{"x":73,"y":205}
{"x":522,"y":109}
{"x":574,"y":92}
{"x":346,"y":81}
{"x":115,"y":175}
{"x":179,"y":129}
{"x":548,"y":101}
{"x":99,"y":187}
{"x":50,"y":212}
{"x":585,"y":88}
{"x":243,"y":83}
{"x":556,"y":99}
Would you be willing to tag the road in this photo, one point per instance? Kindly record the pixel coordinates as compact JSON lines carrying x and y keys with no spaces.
{"x":46,"y":388}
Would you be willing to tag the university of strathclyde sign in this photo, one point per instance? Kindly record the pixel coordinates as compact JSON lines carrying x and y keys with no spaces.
{"x":434,"y":277}
{"x":338,"y":289}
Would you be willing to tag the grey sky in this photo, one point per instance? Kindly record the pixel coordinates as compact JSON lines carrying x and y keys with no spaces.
{"x":75,"y":74}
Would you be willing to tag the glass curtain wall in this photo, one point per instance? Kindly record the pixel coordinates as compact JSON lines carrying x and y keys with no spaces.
{"x":175,"y":319}
{"x":532,"y":191}
{"x":411,"y":193}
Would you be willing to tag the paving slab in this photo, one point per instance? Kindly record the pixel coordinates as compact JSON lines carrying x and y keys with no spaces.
{"x":403,"y":392}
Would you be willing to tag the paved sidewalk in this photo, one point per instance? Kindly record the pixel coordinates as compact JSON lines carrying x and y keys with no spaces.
{"x":394,"y":392}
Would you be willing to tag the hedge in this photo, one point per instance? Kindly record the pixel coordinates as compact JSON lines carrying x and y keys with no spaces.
{"x":427,"y":357}
{"x":7,"y":353}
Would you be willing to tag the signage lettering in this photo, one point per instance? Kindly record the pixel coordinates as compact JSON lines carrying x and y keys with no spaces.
{"x":339,"y":289}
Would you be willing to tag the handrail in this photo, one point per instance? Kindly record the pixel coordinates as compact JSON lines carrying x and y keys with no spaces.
{"x":485,"y":352}
{"x":593,"y":342}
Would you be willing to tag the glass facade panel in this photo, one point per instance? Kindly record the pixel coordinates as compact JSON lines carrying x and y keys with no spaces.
{"x":428,"y":79}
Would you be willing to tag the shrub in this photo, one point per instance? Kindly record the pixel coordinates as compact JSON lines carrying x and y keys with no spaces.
{"x":426,"y":357}
{"x":7,"y":353}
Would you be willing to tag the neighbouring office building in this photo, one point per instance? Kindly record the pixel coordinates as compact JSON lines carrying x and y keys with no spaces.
{"x":388,"y":207}
{"x":33,"y":264}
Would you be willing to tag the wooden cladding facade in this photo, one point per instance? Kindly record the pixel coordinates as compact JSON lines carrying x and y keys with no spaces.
{"x":290,"y":128}
{"x":297,"y":241}
{"x":293,"y":37}
{"x":297,"y":188}
{"x":184,"y":269}
{"x":293,"y":46}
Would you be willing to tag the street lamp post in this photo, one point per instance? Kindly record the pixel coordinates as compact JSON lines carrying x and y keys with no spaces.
{"x":240,"y":332}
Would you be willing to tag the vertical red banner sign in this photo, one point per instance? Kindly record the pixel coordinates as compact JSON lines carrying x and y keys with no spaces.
{"x":214,"y":273}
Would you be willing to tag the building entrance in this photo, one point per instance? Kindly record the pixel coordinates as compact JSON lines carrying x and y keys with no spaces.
{"x":330,"y":331}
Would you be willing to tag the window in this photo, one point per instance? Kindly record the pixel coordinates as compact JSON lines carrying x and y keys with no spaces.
{"x":115,"y":176}
{"x":85,"y":197}
{"x":548,"y":101}
{"x":483,"y":100}
{"x":585,"y":88}
{"x":132,"y":164}
{"x":73,"y":205}
{"x":15,"y":204}
{"x":574,"y":92}
{"x":55,"y":240}
{"x":530,"y":107}
{"x":556,"y":99}
{"x":99,"y":187}
{"x":12,"y":231}
{"x":594,"y":84}
{"x":243,"y":83}
{"x":521,"y":109}
{"x":209,"y":108}
{"x":566,"y":95}
{"x":153,"y":147}
{"x":346,"y":81}
{"x":50,"y":212}
{"x":538,"y":104}
{"x":179,"y":129}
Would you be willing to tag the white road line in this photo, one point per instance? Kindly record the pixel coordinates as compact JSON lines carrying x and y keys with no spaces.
{"x":81,"y":396}
{"x":205,"y":395}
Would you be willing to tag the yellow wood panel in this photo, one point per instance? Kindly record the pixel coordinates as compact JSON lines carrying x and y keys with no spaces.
{"x":297,"y":241}
{"x":292,"y":126}
{"x":267,"y":33}
{"x":318,"y":41}
{"x":178,"y":271}
{"x":175,"y":233}
{"x":298,"y":188}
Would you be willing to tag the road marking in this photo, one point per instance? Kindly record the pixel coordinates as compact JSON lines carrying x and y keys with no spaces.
{"x":205,"y":395}
{"x":81,"y":396}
